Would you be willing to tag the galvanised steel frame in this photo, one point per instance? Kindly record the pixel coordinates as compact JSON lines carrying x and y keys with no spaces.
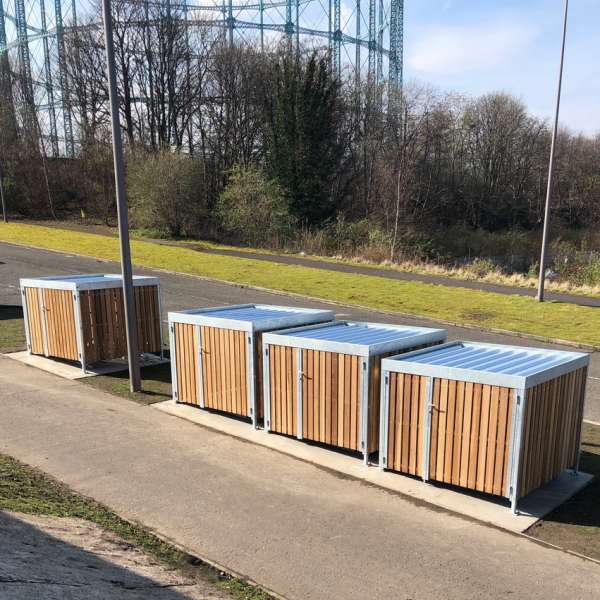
{"x":32,"y":36}
{"x":407,"y":337}
{"x":213,"y":317}
{"x":519,"y":384}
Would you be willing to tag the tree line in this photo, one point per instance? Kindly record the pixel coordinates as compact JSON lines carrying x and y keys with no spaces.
{"x":269,"y":148}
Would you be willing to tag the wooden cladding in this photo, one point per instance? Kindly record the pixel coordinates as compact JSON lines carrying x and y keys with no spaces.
{"x":283,"y":385}
{"x":552,"y":429}
{"x":35,"y":320}
{"x":331,"y":392}
{"x":470,"y":435}
{"x":52,"y":322}
{"x":60,"y":324}
{"x":470,"y":431}
{"x":406,"y":425}
{"x":186,"y":359}
{"x":103,"y":322}
{"x":331,"y":396}
{"x":225,"y":370}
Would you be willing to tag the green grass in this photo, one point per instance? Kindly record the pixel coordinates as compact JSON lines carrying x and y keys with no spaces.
{"x":12,"y":331}
{"x":156,"y":384}
{"x":457,"y":305}
{"x":24,"y":489}
{"x":576,"y":524}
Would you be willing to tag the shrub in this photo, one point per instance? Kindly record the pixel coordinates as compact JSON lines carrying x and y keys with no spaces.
{"x":255,"y":209}
{"x":480,"y":267}
{"x":166,"y":193}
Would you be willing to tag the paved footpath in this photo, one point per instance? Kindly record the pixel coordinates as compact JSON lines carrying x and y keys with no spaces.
{"x":299,"y":530}
{"x":183,"y":292}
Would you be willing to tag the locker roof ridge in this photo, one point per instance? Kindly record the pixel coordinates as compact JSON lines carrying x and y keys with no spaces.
{"x":251,"y":317}
{"x":93,"y":281}
{"x":518,"y":367}
{"x":353,"y":337}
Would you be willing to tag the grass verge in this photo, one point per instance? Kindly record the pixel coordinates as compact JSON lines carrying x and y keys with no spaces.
{"x":457,"y":305}
{"x":575,"y":525}
{"x":496,"y":277}
{"x":12,"y":331}
{"x":156,"y":384}
{"x":24,"y":489}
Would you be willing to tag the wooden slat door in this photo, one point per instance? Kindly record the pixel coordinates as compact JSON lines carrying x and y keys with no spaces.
{"x":225,"y":370}
{"x":331,"y":392}
{"x":33,"y":298}
{"x":186,"y":357}
{"x":61,"y":326}
{"x":470,"y":435}
{"x":406,"y":423}
{"x":283,"y":386}
{"x":470,"y":431}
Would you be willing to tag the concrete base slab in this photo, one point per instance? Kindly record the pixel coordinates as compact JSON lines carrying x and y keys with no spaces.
{"x":70,"y":370}
{"x":495,"y":511}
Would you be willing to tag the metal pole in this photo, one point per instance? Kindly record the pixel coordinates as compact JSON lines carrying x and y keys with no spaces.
{"x":4,"y":213}
{"x":117,"y":143}
{"x":542,"y":279}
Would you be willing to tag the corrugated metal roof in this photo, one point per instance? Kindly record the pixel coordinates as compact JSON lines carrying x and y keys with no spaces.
{"x":356,"y":333}
{"x":251,"y":313}
{"x":94,"y":278}
{"x":492,"y":364}
{"x":504,"y":360}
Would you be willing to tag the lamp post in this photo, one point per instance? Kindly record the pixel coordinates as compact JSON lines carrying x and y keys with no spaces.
{"x":117,"y":145}
{"x":4,"y":214}
{"x":542,"y":279}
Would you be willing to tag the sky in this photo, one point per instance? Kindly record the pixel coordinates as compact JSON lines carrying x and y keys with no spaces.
{"x":475,"y":47}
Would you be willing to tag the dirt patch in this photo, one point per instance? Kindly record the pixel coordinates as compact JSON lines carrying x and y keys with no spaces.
{"x":47,"y":558}
{"x":575,"y":525}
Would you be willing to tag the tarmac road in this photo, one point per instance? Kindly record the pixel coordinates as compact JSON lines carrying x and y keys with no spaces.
{"x":182,"y":291}
{"x":305,"y":532}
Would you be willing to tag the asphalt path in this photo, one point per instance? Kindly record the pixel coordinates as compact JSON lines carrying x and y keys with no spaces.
{"x":300,"y":530}
{"x":184,"y":292}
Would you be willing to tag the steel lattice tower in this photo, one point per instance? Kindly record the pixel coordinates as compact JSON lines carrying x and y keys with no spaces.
{"x":33,"y":53}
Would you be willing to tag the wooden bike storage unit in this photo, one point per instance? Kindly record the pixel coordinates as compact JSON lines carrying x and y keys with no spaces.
{"x":217,"y":354}
{"x":501,"y":420}
{"x":322,"y":382}
{"x":81,"y":318}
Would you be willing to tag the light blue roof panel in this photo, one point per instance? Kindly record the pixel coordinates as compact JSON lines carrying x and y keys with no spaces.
{"x":351,"y":337}
{"x":252,"y":317}
{"x":355,"y":333}
{"x":487,"y":363}
{"x":85,"y":281}
{"x":254,"y":313}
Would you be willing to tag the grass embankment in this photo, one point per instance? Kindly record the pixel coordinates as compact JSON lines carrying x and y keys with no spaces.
{"x":468,"y":272}
{"x":12,"y":330}
{"x":575,"y":525}
{"x":24,"y":489}
{"x":514,"y":313}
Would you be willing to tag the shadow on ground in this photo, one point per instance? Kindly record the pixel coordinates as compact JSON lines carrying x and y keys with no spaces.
{"x":9,"y":311}
{"x":50,"y":557}
{"x":156,"y":383}
{"x":576,"y":524}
